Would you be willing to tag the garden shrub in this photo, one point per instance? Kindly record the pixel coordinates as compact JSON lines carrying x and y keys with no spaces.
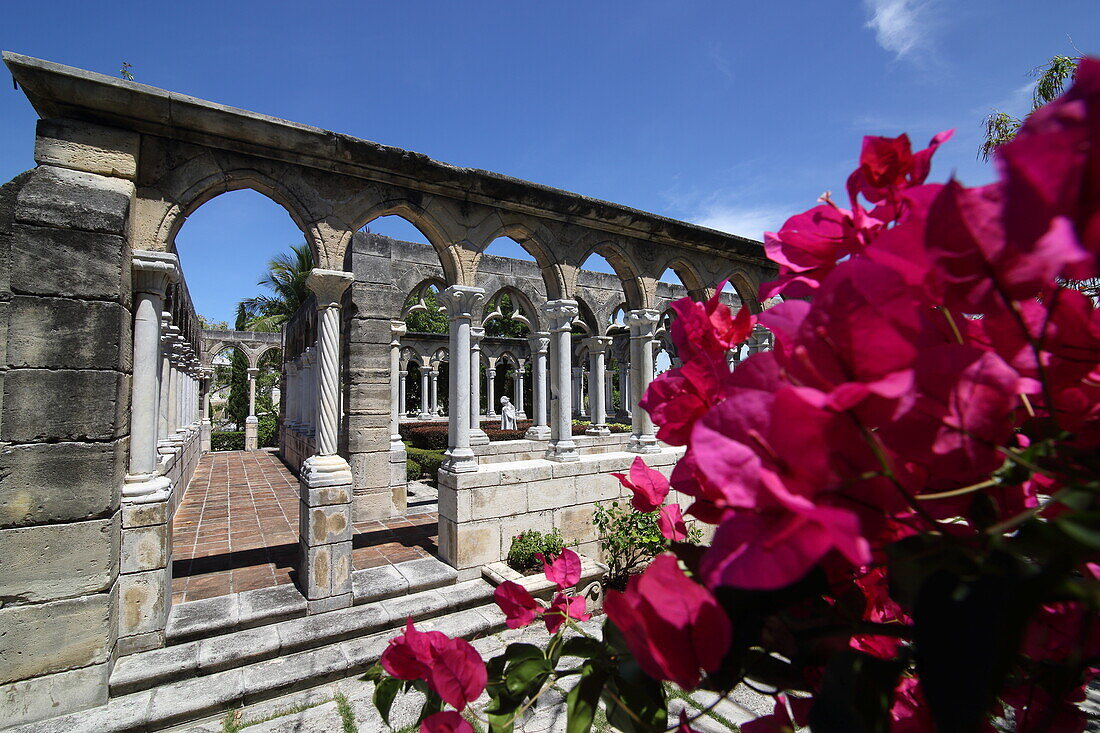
{"x":412,"y":470}
{"x":629,"y":539}
{"x":268,"y":431}
{"x":429,"y":460}
{"x":230,"y":440}
{"x":526,"y":544}
{"x":429,"y":437}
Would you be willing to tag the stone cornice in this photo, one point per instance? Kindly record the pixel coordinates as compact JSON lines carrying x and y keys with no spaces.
{"x":154,"y":271}
{"x":56,"y":90}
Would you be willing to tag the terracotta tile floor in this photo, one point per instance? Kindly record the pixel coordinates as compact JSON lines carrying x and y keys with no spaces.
{"x":237,"y":529}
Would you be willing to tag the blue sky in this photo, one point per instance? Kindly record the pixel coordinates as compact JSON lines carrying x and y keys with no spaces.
{"x":730,"y":114}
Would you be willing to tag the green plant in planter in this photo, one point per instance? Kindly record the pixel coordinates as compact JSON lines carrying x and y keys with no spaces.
{"x":412,"y":470}
{"x":526,"y":544}
{"x":629,"y":539}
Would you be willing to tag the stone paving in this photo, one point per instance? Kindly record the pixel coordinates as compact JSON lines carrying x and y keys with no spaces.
{"x":237,"y":528}
{"x":347,"y":705}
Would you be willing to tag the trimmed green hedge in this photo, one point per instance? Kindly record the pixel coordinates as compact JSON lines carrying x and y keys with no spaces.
{"x":429,"y":460}
{"x":268,"y":431}
{"x":412,"y":470}
{"x":429,"y":437}
{"x":231,"y":440}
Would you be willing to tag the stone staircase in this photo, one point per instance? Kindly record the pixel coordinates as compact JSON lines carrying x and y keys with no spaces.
{"x":237,"y":650}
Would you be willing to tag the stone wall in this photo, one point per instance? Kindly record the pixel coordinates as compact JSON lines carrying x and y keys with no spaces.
{"x":65,"y":350}
{"x":480,"y":512}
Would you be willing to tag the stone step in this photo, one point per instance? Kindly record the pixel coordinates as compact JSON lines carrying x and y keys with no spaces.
{"x":251,"y":609}
{"x":203,"y":657}
{"x":177,"y":701}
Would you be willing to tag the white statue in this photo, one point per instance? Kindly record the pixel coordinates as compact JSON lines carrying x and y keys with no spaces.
{"x":507,"y":414}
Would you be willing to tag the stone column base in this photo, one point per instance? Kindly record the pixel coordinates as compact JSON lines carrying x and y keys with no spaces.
{"x":538,"y":432}
{"x":251,"y":433}
{"x":643,"y":444}
{"x":324,"y":533}
{"x":564,"y":451}
{"x":478,"y":437}
{"x":205,"y":429}
{"x":597,"y":430}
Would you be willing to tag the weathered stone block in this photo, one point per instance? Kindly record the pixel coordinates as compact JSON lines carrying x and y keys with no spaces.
{"x":32,"y":700}
{"x":325,"y":495}
{"x":322,"y":525}
{"x":378,"y":584}
{"x":54,"y":637}
{"x":70,"y":199}
{"x":58,"y":333}
{"x":82,"y":146}
{"x":575,"y":523}
{"x":315,"y":571}
{"x":371,"y":470}
{"x":60,"y":482}
{"x":146,"y":548}
{"x":143,"y":601}
{"x":552,"y":494}
{"x":382,"y":503}
{"x":597,"y":487}
{"x":511,"y":526}
{"x":55,"y":561}
{"x":144,"y":515}
{"x":69,"y":264}
{"x":468,"y":544}
{"x":68,"y":405}
{"x":495,"y":501}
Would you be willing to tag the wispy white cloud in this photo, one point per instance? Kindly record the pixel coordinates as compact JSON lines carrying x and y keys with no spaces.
{"x":902,"y":27}
{"x":745,"y":221}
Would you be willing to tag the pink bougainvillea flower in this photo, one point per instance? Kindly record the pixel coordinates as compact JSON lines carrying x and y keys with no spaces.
{"x":807,"y":248}
{"x":562,"y":607}
{"x":708,"y":327}
{"x":565,"y":571}
{"x":673,"y":626}
{"x":519,"y":606}
{"x":680,"y":396}
{"x":649,"y":485}
{"x":451,"y":667}
{"x":447,"y":721}
{"x":1052,"y":167}
{"x":671,"y":523}
{"x":910,"y":711}
{"x":888,"y":164}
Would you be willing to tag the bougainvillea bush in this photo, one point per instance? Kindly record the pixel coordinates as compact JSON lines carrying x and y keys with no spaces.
{"x":904,"y":490}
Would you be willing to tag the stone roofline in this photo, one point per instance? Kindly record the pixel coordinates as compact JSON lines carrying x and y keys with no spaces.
{"x":59,"y":91}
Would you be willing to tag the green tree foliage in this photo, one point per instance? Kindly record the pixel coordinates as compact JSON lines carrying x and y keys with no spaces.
{"x":236,"y":407}
{"x":209,"y":325}
{"x":429,"y":319}
{"x":1001,"y":127}
{"x":506,"y":325}
{"x":286,"y":279}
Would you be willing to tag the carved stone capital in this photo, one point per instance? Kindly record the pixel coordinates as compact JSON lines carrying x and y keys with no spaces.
{"x":560,"y":314}
{"x":461,"y":301}
{"x":154,"y":271}
{"x":476,"y":334}
{"x":253,"y":372}
{"x":328,"y":286}
{"x":597,"y":344}
{"x":539,"y":342}
{"x":397,"y":330}
{"x":642,"y":322}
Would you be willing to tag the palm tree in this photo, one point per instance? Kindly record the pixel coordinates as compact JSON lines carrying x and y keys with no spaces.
{"x":1001,"y":127}
{"x":286,"y":278}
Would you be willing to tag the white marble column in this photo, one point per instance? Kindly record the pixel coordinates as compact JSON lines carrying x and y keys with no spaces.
{"x":433,"y":374}
{"x":582,"y":390}
{"x":205,"y":424}
{"x":597,"y":351}
{"x":291,"y":394}
{"x":324,"y":524}
{"x":402,"y":405}
{"x":477,"y":435}
{"x":425,"y":402}
{"x":152,"y":272}
{"x":252,"y":423}
{"x":575,"y":390}
{"x":491,"y":389}
{"x":164,"y":382}
{"x":397,"y":330}
{"x":608,"y":391}
{"x":309,"y":393}
{"x":521,"y":414}
{"x":173,"y":388}
{"x":461,"y":303}
{"x":540,"y":344}
{"x":559,"y":317}
{"x":642,"y":325}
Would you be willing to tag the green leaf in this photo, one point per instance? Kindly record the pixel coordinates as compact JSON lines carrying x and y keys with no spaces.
{"x":553,"y":649}
{"x":1083,"y":528}
{"x":583,"y":646}
{"x":374,"y":674}
{"x":432,"y":705}
{"x":524,"y":677}
{"x":584,"y":699}
{"x":385,"y":690}
{"x":642,"y":696}
{"x":856,"y":694}
{"x":519,"y":652}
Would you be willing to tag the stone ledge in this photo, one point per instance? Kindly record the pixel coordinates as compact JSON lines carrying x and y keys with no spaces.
{"x":200,"y":697}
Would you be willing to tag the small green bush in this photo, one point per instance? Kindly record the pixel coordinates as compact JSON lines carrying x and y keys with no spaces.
{"x":268,"y":431}
{"x":233,"y":440}
{"x":429,"y":460}
{"x":521,"y":555}
{"x":412,"y":470}
{"x":629,"y":539}
{"x":429,"y":437}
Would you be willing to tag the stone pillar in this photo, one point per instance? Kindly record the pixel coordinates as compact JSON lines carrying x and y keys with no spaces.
{"x":397,"y":330}
{"x":560,"y":315}
{"x":608,"y":391}
{"x":491,"y":390}
{"x":252,"y":423}
{"x":521,"y":414}
{"x":582,"y":385}
{"x":433,"y":405}
{"x":575,"y":390}
{"x":626,"y":390}
{"x":206,"y":424}
{"x":597,"y":384}
{"x":402,"y":384}
{"x":461,"y":302}
{"x":290,"y":408}
{"x":309,"y":393}
{"x":145,"y":576}
{"x":539,"y":343}
{"x":324,"y":517}
{"x":642,"y":324}
{"x":477,"y":435}
{"x":173,"y":387}
{"x":165,"y":380}
{"x":425,"y":402}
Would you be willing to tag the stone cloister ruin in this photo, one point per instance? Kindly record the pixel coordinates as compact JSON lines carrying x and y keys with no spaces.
{"x":106,"y":375}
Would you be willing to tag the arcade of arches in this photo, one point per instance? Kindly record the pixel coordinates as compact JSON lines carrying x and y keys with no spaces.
{"x":104,"y":419}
